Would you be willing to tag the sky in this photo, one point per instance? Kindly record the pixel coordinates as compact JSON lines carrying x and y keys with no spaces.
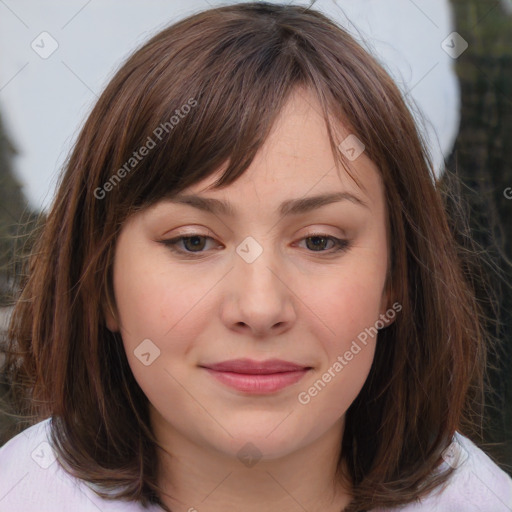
{"x":58,"y":56}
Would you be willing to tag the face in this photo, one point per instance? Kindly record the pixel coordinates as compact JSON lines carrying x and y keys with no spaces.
{"x":278,"y":278}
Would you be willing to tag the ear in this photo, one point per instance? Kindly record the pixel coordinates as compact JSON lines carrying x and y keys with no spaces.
{"x":388,"y":306}
{"x":110,"y":315}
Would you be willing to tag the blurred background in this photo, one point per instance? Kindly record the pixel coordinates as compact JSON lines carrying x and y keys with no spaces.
{"x":451,"y":58}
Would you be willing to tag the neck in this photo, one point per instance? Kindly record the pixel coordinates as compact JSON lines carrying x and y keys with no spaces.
{"x":197,"y":477}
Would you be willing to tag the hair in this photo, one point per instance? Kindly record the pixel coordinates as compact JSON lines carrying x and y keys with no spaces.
{"x":235,"y":67}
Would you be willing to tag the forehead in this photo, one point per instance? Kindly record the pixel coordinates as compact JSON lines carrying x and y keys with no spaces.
{"x":296,"y":160}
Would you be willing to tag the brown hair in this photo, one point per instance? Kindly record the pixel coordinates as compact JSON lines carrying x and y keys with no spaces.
{"x":235,"y":66}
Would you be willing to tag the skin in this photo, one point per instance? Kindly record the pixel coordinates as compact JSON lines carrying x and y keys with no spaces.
{"x":291,"y":303}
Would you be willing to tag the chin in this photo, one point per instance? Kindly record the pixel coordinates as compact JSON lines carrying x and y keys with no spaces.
{"x":266,"y":441}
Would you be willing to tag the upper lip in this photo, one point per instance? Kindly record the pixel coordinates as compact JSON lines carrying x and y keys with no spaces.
{"x":249,"y":366}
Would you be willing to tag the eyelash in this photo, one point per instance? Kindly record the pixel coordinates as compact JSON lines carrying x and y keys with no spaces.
{"x":340,"y":245}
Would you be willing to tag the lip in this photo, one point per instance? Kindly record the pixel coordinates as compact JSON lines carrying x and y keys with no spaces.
{"x":257,"y":377}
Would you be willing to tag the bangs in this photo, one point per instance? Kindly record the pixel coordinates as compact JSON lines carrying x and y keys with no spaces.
{"x":208,"y":103}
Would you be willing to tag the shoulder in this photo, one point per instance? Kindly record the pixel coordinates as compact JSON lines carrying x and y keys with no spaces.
{"x":476,"y":485}
{"x":31,"y":478}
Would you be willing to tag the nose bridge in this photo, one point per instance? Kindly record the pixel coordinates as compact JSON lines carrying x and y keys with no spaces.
{"x":261,"y":299}
{"x":257,"y":268}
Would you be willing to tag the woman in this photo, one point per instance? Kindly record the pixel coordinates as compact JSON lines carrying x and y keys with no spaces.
{"x":246,"y":294}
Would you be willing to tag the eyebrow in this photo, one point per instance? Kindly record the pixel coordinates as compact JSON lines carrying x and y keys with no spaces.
{"x":288,"y":207}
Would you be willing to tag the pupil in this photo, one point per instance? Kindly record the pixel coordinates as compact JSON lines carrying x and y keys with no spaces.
{"x":197,"y":241}
{"x":319,"y":240}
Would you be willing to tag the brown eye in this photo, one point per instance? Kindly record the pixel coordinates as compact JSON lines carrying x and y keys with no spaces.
{"x":187,"y":245}
{"x":194,"y":243}
{"x":318,"y":243}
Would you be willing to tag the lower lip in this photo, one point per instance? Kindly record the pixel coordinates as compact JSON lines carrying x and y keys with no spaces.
{"x":251,"y":383}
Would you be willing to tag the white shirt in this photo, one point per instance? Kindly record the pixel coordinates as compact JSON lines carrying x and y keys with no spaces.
{"x":31,"y":479}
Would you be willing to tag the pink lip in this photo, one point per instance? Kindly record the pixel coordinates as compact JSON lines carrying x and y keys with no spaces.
{"x":257,"y":377}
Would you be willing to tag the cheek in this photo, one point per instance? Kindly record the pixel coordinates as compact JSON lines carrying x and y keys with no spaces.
{"x":160,"y":315}
{"x":164,"y":311}
{"x":329,"y":394}
{"x":352,"y":303}
{"x":348,"y":348}
{"x":155,"y":300}
{"x":350,"y":314}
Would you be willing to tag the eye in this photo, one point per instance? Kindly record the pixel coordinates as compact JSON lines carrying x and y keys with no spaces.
{"x":319,"y":240}
{"x":194,"y":244}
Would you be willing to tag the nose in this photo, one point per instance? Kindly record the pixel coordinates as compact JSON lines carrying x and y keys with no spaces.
{"x":259,"y":300}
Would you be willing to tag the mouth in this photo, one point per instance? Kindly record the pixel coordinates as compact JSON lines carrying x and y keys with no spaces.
{"x":257,"y":377}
